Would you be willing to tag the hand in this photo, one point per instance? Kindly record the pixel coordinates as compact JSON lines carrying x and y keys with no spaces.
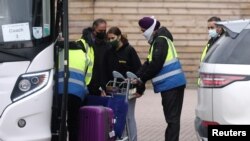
{"x":103,"y":93}
{"x":137,"y":95}
{"x":134,"y":95}
{"x":140,"y":88}
{"x":136,"y":81}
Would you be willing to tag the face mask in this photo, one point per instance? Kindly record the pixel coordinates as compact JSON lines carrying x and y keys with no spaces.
{"x":212,"y":33}
{"x":114,"y":43}
{"x":100,"y":35}
{"x":148,"y":33}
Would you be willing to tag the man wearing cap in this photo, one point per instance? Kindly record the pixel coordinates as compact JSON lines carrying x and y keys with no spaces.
{"x":164,"y":69}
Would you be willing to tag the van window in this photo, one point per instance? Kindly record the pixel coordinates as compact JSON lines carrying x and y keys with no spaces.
{"x":230,"y":51}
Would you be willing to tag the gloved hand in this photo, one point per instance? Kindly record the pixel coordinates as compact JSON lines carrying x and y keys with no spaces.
{"x":140,"y":88}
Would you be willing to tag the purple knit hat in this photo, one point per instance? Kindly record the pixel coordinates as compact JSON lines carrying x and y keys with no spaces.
{"x":146,"y":22}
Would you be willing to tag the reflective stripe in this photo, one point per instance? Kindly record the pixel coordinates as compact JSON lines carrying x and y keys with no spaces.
{"x":166,"y":75}
{"x":78,"y":82}
{"x":60,"y":79}
{"x":170,"y":62}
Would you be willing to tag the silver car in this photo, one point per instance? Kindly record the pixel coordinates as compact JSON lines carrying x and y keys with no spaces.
{"x":224,"y":90}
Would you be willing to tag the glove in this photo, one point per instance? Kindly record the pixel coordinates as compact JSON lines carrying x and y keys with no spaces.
{"x":140,"y":88}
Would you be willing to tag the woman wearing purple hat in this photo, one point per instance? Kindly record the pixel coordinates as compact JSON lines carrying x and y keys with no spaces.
{"x":164,"y":69}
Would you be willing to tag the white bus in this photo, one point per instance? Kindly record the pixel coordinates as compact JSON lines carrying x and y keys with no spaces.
{"x":27,"y":29}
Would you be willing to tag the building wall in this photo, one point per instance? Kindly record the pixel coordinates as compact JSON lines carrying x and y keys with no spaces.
{"x":186,"y":19}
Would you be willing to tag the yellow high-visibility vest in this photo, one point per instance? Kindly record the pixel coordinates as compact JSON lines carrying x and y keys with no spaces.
{"x":78,"y":63}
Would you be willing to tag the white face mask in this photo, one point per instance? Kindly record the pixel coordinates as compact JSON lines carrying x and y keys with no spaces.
{"x":212,"y":33}
{"x":148,"y":33}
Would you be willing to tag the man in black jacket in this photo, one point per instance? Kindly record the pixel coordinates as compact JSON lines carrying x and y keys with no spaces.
{"x":164,"y":68}
{"x":95,"y":38}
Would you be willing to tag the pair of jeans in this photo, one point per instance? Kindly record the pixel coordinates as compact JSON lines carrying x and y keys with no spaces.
{"x":172,"y":101}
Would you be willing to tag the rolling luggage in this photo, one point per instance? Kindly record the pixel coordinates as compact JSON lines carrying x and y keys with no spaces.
{"x":96,"y":124}
{"x":119,"y":106}
{"x":117,"y":99}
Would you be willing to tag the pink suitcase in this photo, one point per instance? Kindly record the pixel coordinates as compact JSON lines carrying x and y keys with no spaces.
{"x":96,"y":124}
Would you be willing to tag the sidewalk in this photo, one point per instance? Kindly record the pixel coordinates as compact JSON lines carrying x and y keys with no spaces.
{"x":150,"y":119}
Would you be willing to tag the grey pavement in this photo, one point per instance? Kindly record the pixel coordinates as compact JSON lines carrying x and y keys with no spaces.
{"x":150,"y":119}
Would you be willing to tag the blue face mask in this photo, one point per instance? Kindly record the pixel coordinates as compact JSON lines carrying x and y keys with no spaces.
{"x":212,"y":33}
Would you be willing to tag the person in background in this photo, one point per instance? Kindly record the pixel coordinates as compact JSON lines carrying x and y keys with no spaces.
{"x":214,"y":32}
{"x":164,"y":69}
{"x":122,"y":57}
{"x":95,"y":38}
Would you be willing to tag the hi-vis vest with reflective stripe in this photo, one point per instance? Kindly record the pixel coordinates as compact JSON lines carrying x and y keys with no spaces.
{"x":78,"y":64}
{"x":171,"y":75}
{"x":90,"y":53}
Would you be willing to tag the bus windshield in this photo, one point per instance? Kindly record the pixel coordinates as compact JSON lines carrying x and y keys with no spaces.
{"x":25,"y":24}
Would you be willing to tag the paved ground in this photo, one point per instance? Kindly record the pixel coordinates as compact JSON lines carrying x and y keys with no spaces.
{"x":150,"y":119}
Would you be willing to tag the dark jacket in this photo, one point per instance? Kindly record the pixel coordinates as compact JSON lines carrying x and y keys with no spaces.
{"x":100,"y":47}
{"x":122,"y":60}
{"x":210,"y":42}
{"x":150,"y":69}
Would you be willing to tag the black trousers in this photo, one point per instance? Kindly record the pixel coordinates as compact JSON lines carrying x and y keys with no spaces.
{"x":172,"y":105}
{"x":74,"y":104}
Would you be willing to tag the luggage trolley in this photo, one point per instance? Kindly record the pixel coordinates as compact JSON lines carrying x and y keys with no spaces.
{"x":118,"y":89}
{"x":125,"y":89}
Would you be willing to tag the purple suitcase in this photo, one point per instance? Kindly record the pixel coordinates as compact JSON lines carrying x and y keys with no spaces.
{"x":96,"y":124}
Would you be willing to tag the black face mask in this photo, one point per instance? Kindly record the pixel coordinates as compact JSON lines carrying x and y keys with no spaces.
{"x":114,"y":44}
{"x":101,"y":35}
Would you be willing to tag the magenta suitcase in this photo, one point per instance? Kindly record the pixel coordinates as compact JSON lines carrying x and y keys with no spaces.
{"x":96,"y":124}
